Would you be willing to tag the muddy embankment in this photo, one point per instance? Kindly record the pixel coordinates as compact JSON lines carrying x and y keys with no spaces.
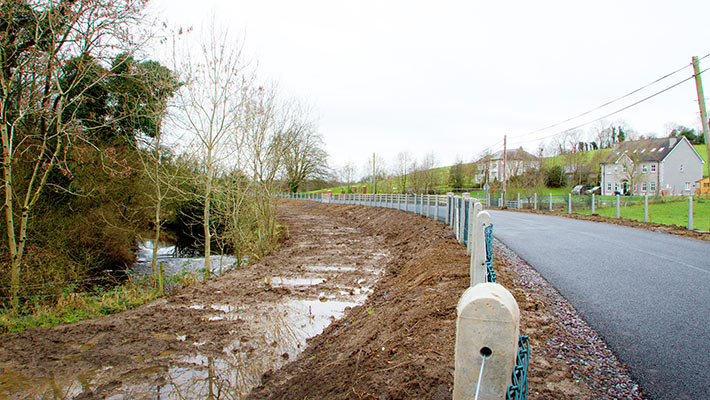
{"x":235,"y":332}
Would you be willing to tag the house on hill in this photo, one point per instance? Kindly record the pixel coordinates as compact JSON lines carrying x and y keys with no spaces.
{"x":668,"y":166}
{"x":490,"y":167}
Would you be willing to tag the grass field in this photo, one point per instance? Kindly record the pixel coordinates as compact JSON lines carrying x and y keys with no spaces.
{"x":667,"y":213}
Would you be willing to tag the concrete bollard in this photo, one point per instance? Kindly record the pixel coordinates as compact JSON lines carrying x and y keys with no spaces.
{"x":487,"y":325}
{"x":535,"y":201}
{"x":618,"y":206}
{"x":520,"y":205}
{"x":550,"y":201}
{"x":593,"y":205}
{"x":690,"y":213}
{"x":477,"y":208}
{"x":569,"y":203}
{"x":465,"y":198}
{"x":477,"y":269}
{"x":436,"y":207}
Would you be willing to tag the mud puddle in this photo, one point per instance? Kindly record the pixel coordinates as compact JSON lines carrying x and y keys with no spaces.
{"x":212,"y":340}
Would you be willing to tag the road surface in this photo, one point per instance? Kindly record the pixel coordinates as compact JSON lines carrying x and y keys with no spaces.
{"x":646,"y":293}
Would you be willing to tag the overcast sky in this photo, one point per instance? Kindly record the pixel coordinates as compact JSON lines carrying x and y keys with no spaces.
{"x":453,"y":77}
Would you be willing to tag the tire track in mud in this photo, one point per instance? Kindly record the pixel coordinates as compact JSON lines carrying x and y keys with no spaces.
{"x":215,"y":338}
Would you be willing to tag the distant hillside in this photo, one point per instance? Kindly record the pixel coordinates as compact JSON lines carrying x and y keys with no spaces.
{"x":589,"y":158}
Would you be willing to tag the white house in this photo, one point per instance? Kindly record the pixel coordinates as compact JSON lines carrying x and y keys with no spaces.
{"x":490,"y":167}
{"x":668,"y":166}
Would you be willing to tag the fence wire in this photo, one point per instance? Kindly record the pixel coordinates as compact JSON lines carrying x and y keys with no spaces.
{"x":519,"y":388}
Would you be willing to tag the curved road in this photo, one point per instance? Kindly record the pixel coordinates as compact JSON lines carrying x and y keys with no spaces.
{"x":646,"y":293}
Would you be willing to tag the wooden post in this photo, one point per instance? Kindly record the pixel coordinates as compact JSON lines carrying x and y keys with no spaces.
{"x":487,"y":325}
{"x":690,"y":213}
{"x":703,"y":112}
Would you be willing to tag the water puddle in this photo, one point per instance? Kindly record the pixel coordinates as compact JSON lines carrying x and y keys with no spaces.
{"x":279,"y":281}
{"x":328,"y":268}
{"x":265,"y":336}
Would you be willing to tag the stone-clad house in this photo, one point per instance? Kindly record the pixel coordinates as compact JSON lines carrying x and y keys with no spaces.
{"x":668,"y":166}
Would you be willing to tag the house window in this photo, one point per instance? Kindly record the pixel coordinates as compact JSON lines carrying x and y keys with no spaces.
{"x":644,"y":168}
{"x":653,"y":167}
{"x":681,"y":168}
{"x":687,"y":185}
{"x":653,"y":187}
{"x":616,"y":187}
{"x":643,"y":187}
{"x":616,"y":168}
{"x":608,"y":187}
{"x":624,"y":167}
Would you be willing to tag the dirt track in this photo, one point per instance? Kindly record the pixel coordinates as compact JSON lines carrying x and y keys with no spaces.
{"x":218,"y":338}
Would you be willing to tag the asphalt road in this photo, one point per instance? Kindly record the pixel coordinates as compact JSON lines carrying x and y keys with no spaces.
{"x":646,"y":293}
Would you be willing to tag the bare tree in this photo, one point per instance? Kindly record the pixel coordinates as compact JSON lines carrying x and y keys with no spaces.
{"x":405,"y":165}
{"x":51,"y":51}
{"x":347,"y":174}
{"x":304,"y":155}
{"x":210,"y":106}
{"x":263,"y":136}
{"x":430,"y":175}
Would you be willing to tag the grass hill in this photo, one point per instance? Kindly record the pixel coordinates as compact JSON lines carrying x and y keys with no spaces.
{"x":589,"y":158}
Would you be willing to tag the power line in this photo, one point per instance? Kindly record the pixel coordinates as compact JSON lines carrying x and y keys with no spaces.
{"x":611,"y":101}
{"x":617,"y":111}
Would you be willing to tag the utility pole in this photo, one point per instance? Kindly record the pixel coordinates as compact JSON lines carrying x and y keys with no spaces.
{"x":505,"y":159}
{"x":703,"y":113}
{"x":374,"y":177}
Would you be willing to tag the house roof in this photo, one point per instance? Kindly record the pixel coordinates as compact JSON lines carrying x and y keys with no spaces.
{"x":515,"y":154}
{"x":645,"y":150}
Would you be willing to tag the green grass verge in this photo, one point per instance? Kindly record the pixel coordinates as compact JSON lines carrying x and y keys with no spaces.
{"x":73,"y":307}
{"x":673,"y":212}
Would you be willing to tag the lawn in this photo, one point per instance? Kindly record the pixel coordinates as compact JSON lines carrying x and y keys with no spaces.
{"x":667,"y":213}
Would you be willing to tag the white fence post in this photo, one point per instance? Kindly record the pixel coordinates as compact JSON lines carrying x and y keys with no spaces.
{"x":436,"y":207}
{"x":478,"y":268}
{"x":618,"y":206}
{"x":690,"y":213}
{"x":550,"y":201}
{"x":593,"y":209}
{"x":535,"y":201}
{"x":487,"y":329}
{"x":473,"y":214}
{"x":465,"y":197}
{"x":569,"y":204}
{"x":645,"y":208}
{"x":520,"y":205}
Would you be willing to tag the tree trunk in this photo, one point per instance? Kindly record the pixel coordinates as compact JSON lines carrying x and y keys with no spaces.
{"x":206,"y":214}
